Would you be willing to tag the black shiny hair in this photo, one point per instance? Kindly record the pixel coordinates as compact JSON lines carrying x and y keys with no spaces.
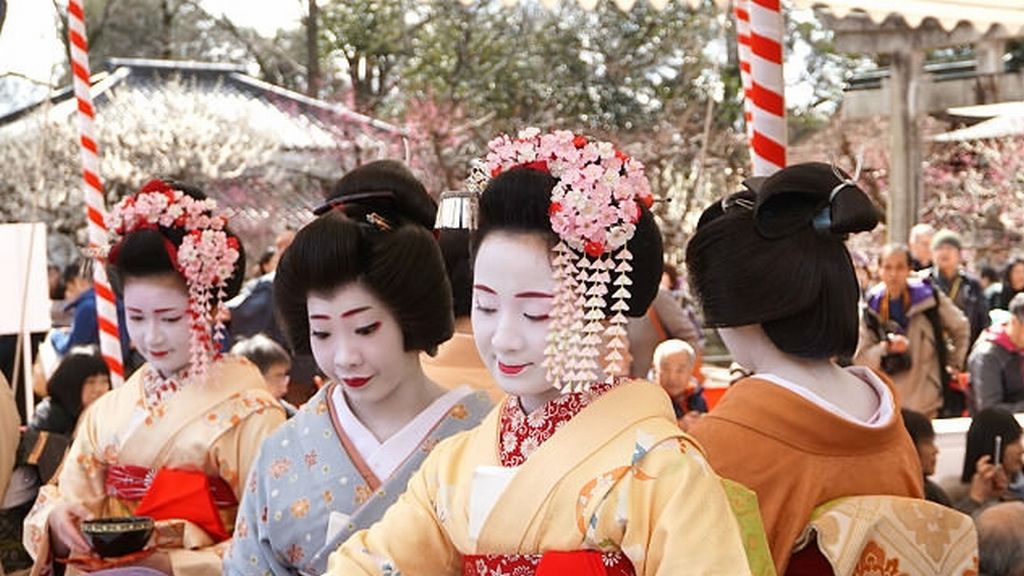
{"x":774,"y":255}
{"x":383,"y":186}
{"x":518,"y":200}
{"x":981,"y":437}
{"x":455,"y":247}
{"x":381,"y":241}
{"x":144,"y":252}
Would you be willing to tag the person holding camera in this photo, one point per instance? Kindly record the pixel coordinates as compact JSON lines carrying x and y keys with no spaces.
{"x":915,"y":334}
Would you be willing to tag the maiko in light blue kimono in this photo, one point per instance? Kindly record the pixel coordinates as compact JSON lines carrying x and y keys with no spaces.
{"x":310,"y":489}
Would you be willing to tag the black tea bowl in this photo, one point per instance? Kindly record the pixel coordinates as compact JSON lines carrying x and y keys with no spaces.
{"x":113,"y":537}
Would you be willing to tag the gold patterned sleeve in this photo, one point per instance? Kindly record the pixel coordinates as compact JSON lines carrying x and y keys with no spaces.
{"x":668,"y":508}
{"x":248,"y":422}
{"x":238,"y":445}
{"x":80,"y":480}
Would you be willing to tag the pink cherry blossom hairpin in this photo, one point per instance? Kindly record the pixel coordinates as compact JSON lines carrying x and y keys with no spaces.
{"x":594,"y":210}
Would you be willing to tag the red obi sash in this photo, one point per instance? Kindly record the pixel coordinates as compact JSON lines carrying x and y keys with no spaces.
{"x":551,"y":563}
{"x":174,"y":494}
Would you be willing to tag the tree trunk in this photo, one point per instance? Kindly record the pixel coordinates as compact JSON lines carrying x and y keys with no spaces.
{"x":313,"y":50}
{"x":167,"y":22}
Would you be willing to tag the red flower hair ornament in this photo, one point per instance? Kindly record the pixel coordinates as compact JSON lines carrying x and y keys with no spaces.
{"x":594,"y":209}
{"x":205,"y":259}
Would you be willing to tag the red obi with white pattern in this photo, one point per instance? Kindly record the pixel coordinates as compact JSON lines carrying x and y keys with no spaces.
{"x":577,"y":563}
{"x":133,"y":482}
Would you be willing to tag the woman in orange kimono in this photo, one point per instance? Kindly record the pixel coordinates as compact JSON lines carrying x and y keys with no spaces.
{"x":771,"y":269}
{"x":176,"y":441}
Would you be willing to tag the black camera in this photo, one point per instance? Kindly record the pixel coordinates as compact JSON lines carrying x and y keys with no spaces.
{"x":895,"y":363}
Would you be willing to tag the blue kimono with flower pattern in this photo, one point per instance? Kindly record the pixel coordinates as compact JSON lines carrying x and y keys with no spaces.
{"x":303,"y":474}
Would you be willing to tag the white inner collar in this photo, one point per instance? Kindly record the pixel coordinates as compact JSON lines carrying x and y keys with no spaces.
{"x":886,"y":403}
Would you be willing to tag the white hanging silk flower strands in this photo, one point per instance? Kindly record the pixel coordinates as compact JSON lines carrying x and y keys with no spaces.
{"x":594,"y":209}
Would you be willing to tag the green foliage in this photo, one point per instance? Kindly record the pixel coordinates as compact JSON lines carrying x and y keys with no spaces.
{"x":825,"y":70}
{"x":603,"y":70}
{"x":457,"y":75}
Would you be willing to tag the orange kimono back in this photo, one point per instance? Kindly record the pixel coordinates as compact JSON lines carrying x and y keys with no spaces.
{"x":796,"y":456}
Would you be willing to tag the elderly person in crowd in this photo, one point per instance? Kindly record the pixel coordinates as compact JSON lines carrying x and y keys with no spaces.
{"x":995,"y":363}
{"x":920,"y":242}
{"x":963,"y":289}
{"x":903,"y":330}
{"x":665,"y":319}
{"x":673,"y":371}
{"x":1001,"y":540}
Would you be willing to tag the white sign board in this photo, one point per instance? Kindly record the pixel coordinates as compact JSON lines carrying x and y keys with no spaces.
{"x":23,"y":265}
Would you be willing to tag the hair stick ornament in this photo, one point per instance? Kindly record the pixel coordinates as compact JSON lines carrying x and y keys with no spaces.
{"x":594,"y":210}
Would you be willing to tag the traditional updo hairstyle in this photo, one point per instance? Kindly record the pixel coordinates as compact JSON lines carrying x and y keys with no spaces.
{"x":375,"y":228}
{"x":517,"y":201}
{"x":774,"y":255}
{"x":146,"y":252}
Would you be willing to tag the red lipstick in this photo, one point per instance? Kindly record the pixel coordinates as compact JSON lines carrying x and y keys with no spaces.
{"x":355,"y":382}
{"x":511,"y":369}
{"x":158,"y":354}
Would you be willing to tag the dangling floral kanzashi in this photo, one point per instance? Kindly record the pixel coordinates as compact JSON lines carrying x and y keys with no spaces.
{"x":594,"y":210}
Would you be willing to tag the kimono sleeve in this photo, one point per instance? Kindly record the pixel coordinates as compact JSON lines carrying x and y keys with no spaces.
{"x":237,"y":449}
{"x":80,"y":480}
{"x":682,"y":523}
{"x":251,"y":551}
{"x":234,"y":453}
{"x":408,"y":540}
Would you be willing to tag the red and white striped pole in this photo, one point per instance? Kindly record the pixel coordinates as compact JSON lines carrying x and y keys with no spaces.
{"x":106,"y":310}
{"x":768,"y":140}
{"x":742,"y":11}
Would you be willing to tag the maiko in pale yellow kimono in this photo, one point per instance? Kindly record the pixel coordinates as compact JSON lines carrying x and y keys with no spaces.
{"x":215,"y":427}
{"x":619,"y":477}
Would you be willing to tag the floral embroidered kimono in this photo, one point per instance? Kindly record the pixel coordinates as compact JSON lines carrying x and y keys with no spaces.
{"x":886,"y":535}
{"x":152,"y":431}
{"x":604,"y":476}
{"x":312,"y":487}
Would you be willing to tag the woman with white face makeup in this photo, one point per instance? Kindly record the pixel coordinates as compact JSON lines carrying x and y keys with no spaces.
{"x":362,"y":287}
{"x":176,"y":440}
{"x":573,"y":473}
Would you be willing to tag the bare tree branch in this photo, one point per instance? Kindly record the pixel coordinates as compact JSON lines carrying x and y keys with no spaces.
{"x":256,"y":46}
{"x":35,"y":81}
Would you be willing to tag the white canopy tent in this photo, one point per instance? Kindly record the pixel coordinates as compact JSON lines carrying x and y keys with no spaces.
{"x":999,"y":121}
